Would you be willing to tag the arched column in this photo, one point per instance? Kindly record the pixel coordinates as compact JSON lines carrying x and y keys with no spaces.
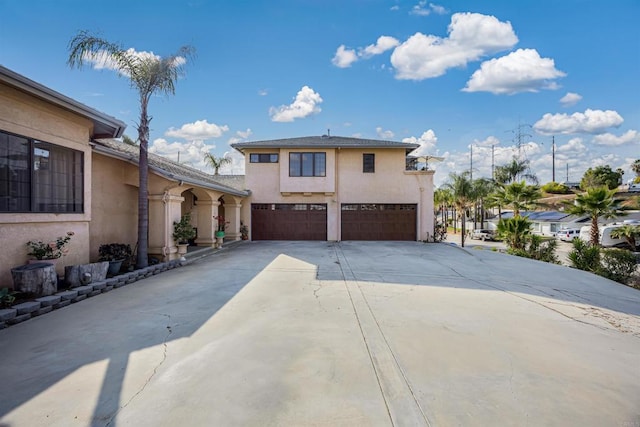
{"x":232,"y":212}
{"x":164,"y":209}
{"x":207,"y":209}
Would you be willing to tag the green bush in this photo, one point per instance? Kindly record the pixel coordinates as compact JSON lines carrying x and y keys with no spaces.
{"x":536,"y":248}
{"x":555,"y":188}
{"x":584,"y":256}
{"x":617,"y":264}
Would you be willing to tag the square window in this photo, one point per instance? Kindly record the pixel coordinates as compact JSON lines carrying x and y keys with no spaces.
{"x":368,"y":163}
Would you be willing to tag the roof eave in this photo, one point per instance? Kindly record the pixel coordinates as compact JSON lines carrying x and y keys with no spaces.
{"x":114,"y":126}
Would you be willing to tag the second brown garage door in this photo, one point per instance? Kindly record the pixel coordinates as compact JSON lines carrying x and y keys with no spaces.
{"x":378,"y":221}
{"x":288,"y":221}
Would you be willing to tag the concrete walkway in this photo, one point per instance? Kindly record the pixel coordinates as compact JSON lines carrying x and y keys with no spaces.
{"x":324,"y":334}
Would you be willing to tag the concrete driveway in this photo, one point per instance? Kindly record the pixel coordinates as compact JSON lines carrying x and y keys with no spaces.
{"x":325,"y":334}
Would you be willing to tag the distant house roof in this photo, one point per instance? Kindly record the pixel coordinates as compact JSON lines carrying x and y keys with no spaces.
{"x":323,"y":141}
{"x":231,"y":184}
{"x":104,"y":126}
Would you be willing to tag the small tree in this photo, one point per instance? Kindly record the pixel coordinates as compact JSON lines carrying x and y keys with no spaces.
{"x":595,"y":202}
{"x":514,"y":232}
{"x":628,"y":232}
{"x":462,"y":194}
{"x":601,"y":176}
{"x":216,"y":162}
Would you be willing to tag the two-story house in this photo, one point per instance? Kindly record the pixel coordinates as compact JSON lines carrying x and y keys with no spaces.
{"x":335,"y":188}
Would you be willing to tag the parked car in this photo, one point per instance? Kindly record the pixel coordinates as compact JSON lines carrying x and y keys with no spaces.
{"x":568,"y":234}
{"x":483,"y":234}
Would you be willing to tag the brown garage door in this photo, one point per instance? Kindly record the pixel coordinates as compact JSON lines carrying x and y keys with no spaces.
{"x":378,"y":221}
{"x":288,"y":221}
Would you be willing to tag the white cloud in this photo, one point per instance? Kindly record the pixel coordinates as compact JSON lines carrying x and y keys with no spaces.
{"x":611,"y":140}
{"x":236,"y":167}
{"x":591,"y":121}
{"x":244,"y":134}
{"x":422,"y":9}
{"x":344,"y":57}
{"x":190,"y":153}
{"x":427,"y":141}
{"x":395,"y":7}
{"x":263,"y":92}
{"x":471,"y":36}
{"x":487,"y":142}
{"x":520,"y":71}
{"x":384,"y":134}
{"x":570,"y":99}
{"x":198,"y":130}
{"x":305,"y":104}
{"x":103,"y":60}
{"x":383,"y":44}
{"x":574,"y":145}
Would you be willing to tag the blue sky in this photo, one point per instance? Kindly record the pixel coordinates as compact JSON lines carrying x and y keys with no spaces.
{"x":447,"y":74}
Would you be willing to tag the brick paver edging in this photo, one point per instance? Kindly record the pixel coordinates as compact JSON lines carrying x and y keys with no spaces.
{"x":26,"y":310}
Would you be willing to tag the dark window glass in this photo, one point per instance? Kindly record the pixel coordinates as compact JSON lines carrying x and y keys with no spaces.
{"x":36,"y":176}
{"x":307,"y":164}
{"x":368,"y":163}
{"x":263,"y":158}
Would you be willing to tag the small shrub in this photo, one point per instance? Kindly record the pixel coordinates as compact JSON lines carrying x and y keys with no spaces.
{"x":555,"y":188}
{"x":584,"y":256}
{"x":114,"y":252}
{"x":618,"y":265}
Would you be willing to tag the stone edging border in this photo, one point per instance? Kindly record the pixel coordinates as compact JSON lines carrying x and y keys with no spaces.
{"x":27,"y":310}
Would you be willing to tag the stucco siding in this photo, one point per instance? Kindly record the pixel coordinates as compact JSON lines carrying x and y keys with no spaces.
{"x":27,"y":116}
{"x":115,"y":204}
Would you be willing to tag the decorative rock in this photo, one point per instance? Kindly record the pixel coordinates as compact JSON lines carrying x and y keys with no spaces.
{"x":75,"y":275}
{"x":107,"y":289}
{"x":50,"y":300}
{"x":7,"y":313}
{"x":39,"y":278}
{"x":20,"y":318}
{"x":83,"y":290}
{"x":26,"y":307}
{"x":43,"y":310}
{"x":62,"y":303}
{"x":94,"y":293}
{"x":68,"y":295}
{"x":119,"y":284}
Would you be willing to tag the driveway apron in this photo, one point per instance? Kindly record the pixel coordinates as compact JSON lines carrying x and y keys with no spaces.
{"x":318,"y":333}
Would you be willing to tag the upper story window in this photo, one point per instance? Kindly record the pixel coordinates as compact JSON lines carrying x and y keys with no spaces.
{"x":368,"y":163}
{"x":307,"y":164}
{"x":39,"y":177}
{"x":263,"y":158}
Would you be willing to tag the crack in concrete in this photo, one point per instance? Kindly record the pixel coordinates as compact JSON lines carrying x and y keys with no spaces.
{"x":155,"y":370}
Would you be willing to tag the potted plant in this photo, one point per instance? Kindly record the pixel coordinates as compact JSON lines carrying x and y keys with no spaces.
{"x":244,"y":231}
{"x":49,"y":251}
{"x":115,"y":254}
{"x":222,"y":225}
{"x":182,"y":232}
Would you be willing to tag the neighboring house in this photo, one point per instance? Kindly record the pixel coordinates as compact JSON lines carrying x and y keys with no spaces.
{"x":59,"y":174}
{"x":336,"y":188}
{"x":548,"y":223}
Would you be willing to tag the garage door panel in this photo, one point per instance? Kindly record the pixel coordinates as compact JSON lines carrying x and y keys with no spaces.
{"x":288,"y":221}
{"x":378,"y":221}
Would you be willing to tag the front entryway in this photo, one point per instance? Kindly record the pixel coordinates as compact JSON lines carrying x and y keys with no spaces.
{"x":289,"y":221}
{"x":375,"y":221}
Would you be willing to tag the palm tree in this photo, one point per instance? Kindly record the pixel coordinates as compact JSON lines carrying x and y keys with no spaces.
{"x":629,"y":233}
{"x":513,"y":171}
{"x":216,"y":162}
{"x":515,"y":231}
{"x":462,"y":192}
{"x":595,"y":202}
{"x":481,"y":189}
{"x":518,"y":196}
{"x":148,"y":75}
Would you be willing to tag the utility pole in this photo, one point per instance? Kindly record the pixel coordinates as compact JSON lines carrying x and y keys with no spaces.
{"x":553,"y":158}
{"x":567,"y":173}
{"x":520,"y":136}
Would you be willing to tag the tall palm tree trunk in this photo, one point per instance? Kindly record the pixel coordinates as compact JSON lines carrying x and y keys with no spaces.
{"x":595,"y":233}
{"x":142,"y":260}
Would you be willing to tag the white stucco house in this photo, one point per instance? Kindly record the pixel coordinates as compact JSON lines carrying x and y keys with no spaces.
{"x":336,"y":188}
